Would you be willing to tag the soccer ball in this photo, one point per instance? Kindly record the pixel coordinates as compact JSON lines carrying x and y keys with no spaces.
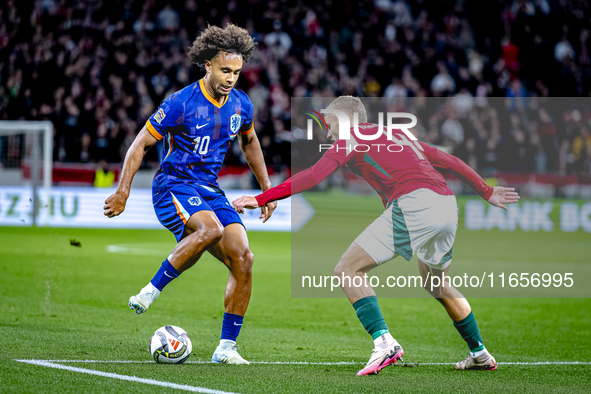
{"x":170,"y":345}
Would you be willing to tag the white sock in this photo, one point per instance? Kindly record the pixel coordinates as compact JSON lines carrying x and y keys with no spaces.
{"x":384,"y":340}
{"x":149,"y":288}
{"x":226,"y":343}
{"x":478,"y":353}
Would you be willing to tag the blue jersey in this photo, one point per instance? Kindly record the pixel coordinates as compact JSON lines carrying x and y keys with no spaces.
{"x":197,"y":131}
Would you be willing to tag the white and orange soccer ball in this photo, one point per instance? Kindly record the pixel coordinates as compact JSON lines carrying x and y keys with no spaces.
{"x":170,"y":345}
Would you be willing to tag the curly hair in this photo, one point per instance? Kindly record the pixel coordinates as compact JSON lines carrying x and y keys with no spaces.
{"x":231,"y":39}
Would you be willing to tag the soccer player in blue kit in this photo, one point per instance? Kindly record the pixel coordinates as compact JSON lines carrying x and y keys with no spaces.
{"x":198,"y":124}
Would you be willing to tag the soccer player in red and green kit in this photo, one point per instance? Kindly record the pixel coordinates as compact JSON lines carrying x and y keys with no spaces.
{"x":421,"y":216}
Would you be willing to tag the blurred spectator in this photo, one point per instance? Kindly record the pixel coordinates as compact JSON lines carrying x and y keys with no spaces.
{"x":516,"y":89}
{"x":143,"y":23}
{"x":98,"y":70}
{"x":395,"y":89}
{"x":510,"y":56}
{"x":452,"y":131}
{"x":442,"y":83}
{"x":522,"y":8}
{"x":278,"y":42}
{"x":168,"y":18}
{"x":103,"y":176}
{"x":279,"y":101}
{"x":547,"y":133}
{"x":563,"y":50}
{"x":581,"y":149}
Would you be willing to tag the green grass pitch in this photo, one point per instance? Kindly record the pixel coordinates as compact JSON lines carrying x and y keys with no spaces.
{"x":61,"y":302}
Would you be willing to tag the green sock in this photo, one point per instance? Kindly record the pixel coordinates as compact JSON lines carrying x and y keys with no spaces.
{"x":468,"y":329}
{"x":370,"y":315}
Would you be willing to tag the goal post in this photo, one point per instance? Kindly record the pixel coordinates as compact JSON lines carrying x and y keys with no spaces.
{"x":20,"y":149}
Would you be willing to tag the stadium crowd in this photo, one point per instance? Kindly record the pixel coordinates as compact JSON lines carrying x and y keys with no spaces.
{"x":98,"y":69}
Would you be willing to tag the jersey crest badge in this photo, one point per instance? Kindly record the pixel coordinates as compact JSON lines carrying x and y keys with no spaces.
{"x":195,"y":201}
{"x":234,"y":123}
{"x":159,"y":116}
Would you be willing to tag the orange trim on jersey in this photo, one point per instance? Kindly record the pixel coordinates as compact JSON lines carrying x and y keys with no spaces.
{"x":153,"y":131}
{"x":178,"y":212}
{"x":169,"y":148}
{"x":249,"y":130}
{"x":211,"y":99}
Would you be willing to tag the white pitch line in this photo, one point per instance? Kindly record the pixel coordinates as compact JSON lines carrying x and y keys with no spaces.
{"x":308,"y":362}
{"x":201,"y":362}
{"x":152,"y":382}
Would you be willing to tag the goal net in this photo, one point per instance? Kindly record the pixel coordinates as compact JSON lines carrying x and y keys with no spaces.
{"x":25,"y":161}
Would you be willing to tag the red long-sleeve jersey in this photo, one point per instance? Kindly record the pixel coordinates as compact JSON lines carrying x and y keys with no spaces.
{"x":392,"y":168}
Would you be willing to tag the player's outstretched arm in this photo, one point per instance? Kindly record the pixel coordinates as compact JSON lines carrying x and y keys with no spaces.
{"x":301,"y":181}
{"x":115,"y":203}
{"x":254,"y":157}
{"x":497,"y":196}
{"x":243,"y":202}
{"x":503,"y":195}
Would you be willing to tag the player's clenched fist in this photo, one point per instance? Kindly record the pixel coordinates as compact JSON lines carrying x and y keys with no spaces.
{"x":247,"y":202}
{"x":115,"y":204}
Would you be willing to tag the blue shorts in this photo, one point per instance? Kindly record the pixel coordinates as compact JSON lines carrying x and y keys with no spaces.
{"x":175,"y":202}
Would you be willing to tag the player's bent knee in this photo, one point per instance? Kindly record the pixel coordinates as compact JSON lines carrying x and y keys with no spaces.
{"x":440,"y":291}
{"x":340,"y":268}
{"x":213,"y":230}
{"x":427,"y":286}
{"x":241,"y":267}
{"x":435,"y":292}
{"x":207,"y":235}
{"x":447,"y":292}
{"x":246,"y":259}
{"x":242,"y":262}
{"x":215,"y":236}
{"x":347,"y":269}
